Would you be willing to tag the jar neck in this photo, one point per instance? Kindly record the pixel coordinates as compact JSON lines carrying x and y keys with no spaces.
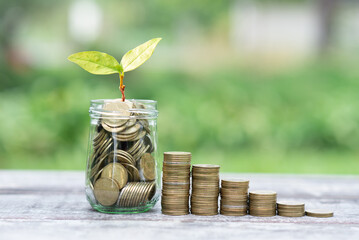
{"x":138,"y":109}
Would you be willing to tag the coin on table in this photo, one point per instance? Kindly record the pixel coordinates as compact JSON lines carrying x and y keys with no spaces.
{"x":289,"y":204}
{"x":319,"y":213}
{"x":235,"y":183}
{"x":106,"y":191}
{"x":117,"y":172}
{"x":148,"y":165}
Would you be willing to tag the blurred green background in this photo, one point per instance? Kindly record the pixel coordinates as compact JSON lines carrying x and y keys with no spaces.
{"x":255,"y":86}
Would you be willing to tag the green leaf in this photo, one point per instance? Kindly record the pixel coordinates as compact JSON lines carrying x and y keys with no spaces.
{"x":137,"y":56}
{"x":96,"y":62}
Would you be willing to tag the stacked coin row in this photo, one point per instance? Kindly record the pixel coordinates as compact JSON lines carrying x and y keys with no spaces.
{"x":135,"y":194}
{"x":234,"y":197}
{"x":176,"y":183}
{"x":320,"y":213}
{"x":290,"y":209}
{"x":122,"y":148}
{"x":262,"y":203}
{"x":205,"y":189}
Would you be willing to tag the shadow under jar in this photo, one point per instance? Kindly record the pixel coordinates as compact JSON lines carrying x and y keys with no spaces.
{"x":122,"y":173}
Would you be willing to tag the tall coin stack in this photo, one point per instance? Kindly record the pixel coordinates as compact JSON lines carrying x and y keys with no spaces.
{"x":205,"y":189}
{"x":262,"y":203}
{"x":176,"y":183}
{"x":234,"y":197}
{"x":290,"y":209}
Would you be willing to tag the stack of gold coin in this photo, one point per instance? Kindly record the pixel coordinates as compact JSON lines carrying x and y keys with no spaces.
{"x":290,"y":209}
{"x":136,"y":194}
{"x":320,"y":213}
{"x":234,"y":197}
{"x":205,"y":189}
{"x":176,"y":183}
{"x":262,"y":203}
{"x":122,"y":153}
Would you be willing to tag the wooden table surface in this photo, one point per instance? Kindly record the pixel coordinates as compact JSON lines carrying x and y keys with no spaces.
{"x":52,"y":205}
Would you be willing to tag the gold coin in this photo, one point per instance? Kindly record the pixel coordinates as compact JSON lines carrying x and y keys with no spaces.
{"x":263,"y":192}
{"x":148,"y":141}
{"x":206,"y":166}
{"x":319,"y":213}
{"x":123,"y":195}
{"x":126,"y":155}
{"x":97,"y":166}
{"x":178,"y":153}
{"x":106,"y":191}
{"x":139,"y":154}
{"x":97,"y":175}
{"x":132,"y":171}
{"x":98,"y":136}
{"x":148,"y":165}
{"x":140,"y":135}
{"x":139,"y":193}
{"x":131,"y":130}
{"x":113,"y":129}
{"x":122,"y":159}
{"x":116,"y":110}
{"x":289,"y":204}
{"x":117,"y":172}
{"x":234,"y":183}
{"x":131,"y":122}
{"x":119,"y":107}
{"x":133,"y":193}
{"x":151,"y":191}
{"x":105,"y":146}
{"x":135,"y":147}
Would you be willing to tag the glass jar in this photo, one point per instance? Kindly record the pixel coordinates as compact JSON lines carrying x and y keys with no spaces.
{"x":122,"y":173}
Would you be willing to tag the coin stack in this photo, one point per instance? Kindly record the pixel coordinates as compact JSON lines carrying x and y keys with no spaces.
{"x":262,"y":203}
{"x":176,"y":183}
{"x":135,"y":193}
{"x":320,"y":213}
{"x":234,"y":197}
{"x":205,"y":189}
{"x":122,"y":153}
{"x":290,"y":209}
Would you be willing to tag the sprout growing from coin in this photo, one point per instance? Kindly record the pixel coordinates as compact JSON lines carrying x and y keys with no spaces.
{"x":103,"y":64}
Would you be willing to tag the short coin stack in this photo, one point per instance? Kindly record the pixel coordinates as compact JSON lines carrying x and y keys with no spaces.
{"x":262,"y":203}
{"x":321,"y":213}
{"x":176,"y":183}
{"x":290,"y":209}
{"x":205,"y":189}
{"x":234,"y":197}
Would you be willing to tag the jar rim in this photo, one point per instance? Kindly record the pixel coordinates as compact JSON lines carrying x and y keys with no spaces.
{"x":103,"y":100}
{"x":150,"y":112}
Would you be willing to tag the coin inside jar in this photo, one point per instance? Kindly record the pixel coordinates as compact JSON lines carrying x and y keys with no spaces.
{"x":106,"y":191}
{"x":148,"y":165}
{"x":117,"y":172}
{"x":121,"y":109}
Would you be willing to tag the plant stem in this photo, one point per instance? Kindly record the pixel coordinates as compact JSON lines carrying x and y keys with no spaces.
{"x":122,"y":87}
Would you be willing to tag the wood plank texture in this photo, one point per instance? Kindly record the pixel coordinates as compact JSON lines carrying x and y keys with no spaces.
{"x":52,"y":205}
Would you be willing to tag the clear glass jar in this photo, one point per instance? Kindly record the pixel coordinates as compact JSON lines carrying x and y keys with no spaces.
{"x":122,"y":173}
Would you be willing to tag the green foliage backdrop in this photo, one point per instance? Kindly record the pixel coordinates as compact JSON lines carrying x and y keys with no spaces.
{"x":302,"y":120}
{"x":227,"y":106}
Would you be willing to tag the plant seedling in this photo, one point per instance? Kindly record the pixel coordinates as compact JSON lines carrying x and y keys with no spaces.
{"x":103,"y":64}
